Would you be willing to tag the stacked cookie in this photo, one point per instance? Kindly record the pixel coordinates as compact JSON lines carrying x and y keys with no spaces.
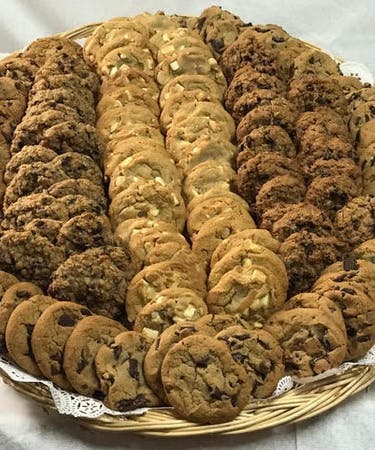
{"x":146,"y":210}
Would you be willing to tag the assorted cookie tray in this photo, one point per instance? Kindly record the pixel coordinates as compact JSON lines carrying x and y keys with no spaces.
{"x":188,"y":213}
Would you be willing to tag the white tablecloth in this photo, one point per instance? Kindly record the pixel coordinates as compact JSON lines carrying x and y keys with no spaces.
{"x":344,"y":28}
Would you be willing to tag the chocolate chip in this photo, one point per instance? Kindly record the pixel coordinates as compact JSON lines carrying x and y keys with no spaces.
{"x":238,"y":357}
{"x":65,"y":320}
{"x":203,"y":363}
{"x":278,"y":39}
{"x":217,"y":394}
{"x":348,"y":291}
{"x":98,"y":395}
{"x":350,"y":263}
{"x":82,"y":363}
{"x":234,"y":400}
{"x":126,"y":405}
{"x":133,"y":368}
{"x":116,"y":351}
{"x":241,"y":337}
{"x":23,"y":294}
{"x":263,"y":344}
{"x":363,"y":338}
{"x":217,"y":45}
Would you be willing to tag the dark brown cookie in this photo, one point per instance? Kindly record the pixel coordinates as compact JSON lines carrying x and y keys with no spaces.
{"x":260,"y":169}
{"x":252,"y":99}
{"x":19,"y":68}
{"x":6,"y":281}
{"x":331,"y":194}
{"x":97,"y":278}
{"x":305,"y":255}
{"x":48,"y":228}
{"x":189,"y":364}
{"x":268,"y":138}
{"x":330,"y":167}
{"x":259,"y":353}
{"x":29,"y":256}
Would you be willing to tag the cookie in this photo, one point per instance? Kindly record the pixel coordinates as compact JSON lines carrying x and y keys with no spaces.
{"x":19,"y":68}
{"x":6,"y":281}
{"x":170,"y":306}
{"x":358,"y":311}
{"x":260,"y":169}
{"x":41,"y":48}
{"x":137,"y":130}
{"x":315,"y":63}
{"x":128,"y":56}
{"x":316,"y":147}
{"x":85,"y":231}
{"x":312,"y":342}
{"x":151,"y":200}
{"x":77,"y":165}
{"x":366,"y":135}
{"x":190,"y":82}
{"x":215,"y":230}
{"x":259,"y":353}
{"x":280,"y":112}
{"x":324,"y":120}
{"x":204,"y":109}
{"x":355,"y":222}
{"x":178,"y":100}
{"x":281,"y":189}
{"x":49,"y":99}
{"x":162,"y":37}
{"x":247,"y":254}
{"x":268,"y":138}
{"x":327,"y":167}
{"x":151,"y":245}
{"x":97,"y":278}
{"x":119,"y":367}
{"x":251,"y":236}
{"x":128,"y":94}
{"x":19,"y":330}
{"x":312,"y":91}
{"x":361,"y":115}
{"x":130,"y":76}
{"x":32,"y":178}
{"x":208,"y":176}
{"x":48,"y":228}
{"x":252,"y":99}
{"x":319,"y":301}
{"x":144,"y":166}
{"x":206,"y":148}
{"x":305,"y":255}
{"x":209,"y":207}
{"x":35,"y":206}
{"x":360,"y":96}
{"x":299,"y":217}
{"x":348,"y":84}
{"x":270,"y":216}
{"x":246,"y":80}
{"x":366,"y":251}
{"x":77,"y":204}
{"x":219,"y":400}
{"x":212,"y":324}
{"x":180,"y":138}
{"x":29,"y":256}
{"x":114,"y":119}
{"x":49,"y":337}
{"x":28,"y":155}
{"x":253,"y":292}
{"x":80,"y":351}
{"x":118,"y":151}
{"x":189,"y":61}
{"x":175,"y":45}
{"x":159,"y":348}
{"x":183,"y":271}
{"x":14,"y":295}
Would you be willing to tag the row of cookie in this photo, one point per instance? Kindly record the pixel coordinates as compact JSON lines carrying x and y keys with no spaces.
{"x":54,"y":200}
{"x":147,"y":210}
{"x":61,"y":341}
{"x":361,"y":125}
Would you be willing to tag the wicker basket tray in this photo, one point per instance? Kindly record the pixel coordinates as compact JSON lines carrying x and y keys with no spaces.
{"x":294,"y":406}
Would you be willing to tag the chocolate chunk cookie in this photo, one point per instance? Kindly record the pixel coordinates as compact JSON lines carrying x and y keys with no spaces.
{"x":49,"y":337}
{"x":315,"y":63}
{"x":97,"y":278}
{"x":305,"y":255}
{"x":366,"y":251}
{"x":299,"y":217}
{"x":259,"y":353}
{"x":19,"y":330}
{"x":268,"y":138}
{"x":187,"y":364}
{"x":13,"y":296}
{"x":355,"y":222}
{"x":312,"y":342}
{"x":119,"y":367}
{"x":332,"y":194}
{"x":260,"y":169}
{"x":85,"y":231}
{"x":29,"y":256}
{"x":80,"y":351}
{"x":170,"y":306}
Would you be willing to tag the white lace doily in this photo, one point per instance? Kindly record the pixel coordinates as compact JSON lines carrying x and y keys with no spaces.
{"x":80,"y":406}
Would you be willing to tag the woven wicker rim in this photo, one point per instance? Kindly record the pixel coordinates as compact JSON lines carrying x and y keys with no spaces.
{"x":294,"y":406}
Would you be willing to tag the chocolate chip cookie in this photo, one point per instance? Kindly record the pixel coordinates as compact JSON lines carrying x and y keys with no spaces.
{"x":6,"y":281}
{"x":366,"y":251}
